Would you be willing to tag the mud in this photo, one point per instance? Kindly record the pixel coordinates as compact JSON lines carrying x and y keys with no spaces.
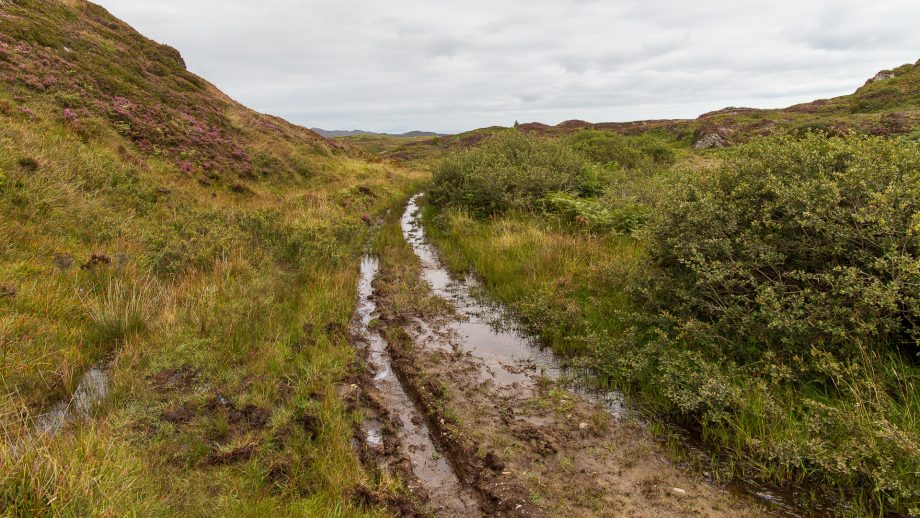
{"x":174,"y":379}
{"x":460,"y":401}
{"x":394,"y":428}
{"x":487,"y":331}
{"x":519,"y":429}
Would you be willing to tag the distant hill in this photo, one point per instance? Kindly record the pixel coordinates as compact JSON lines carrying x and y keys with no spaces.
{"x":887,"y":104}
{"x":355,"y":133}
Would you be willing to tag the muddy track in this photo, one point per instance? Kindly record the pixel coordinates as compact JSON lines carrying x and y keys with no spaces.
{"x":501,"y":411}
{"x":395,"y":435}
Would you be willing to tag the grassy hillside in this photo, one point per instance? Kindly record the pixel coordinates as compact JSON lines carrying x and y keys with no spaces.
{"x":203,"y":254}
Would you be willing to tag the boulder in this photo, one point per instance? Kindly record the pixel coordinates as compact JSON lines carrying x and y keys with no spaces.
{"x":710,"y":140}
{"x":881,"y":76}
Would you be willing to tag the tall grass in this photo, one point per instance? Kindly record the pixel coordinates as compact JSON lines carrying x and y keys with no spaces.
{"x":209,"y":295}
{"x":122,"y":310}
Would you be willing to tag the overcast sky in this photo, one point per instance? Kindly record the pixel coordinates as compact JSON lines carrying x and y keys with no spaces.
{"x":450,"y":65}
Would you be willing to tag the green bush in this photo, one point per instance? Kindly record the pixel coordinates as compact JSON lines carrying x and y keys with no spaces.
{"x":606,"y":148}
{"x":596,"y":213}
{"x":510,"y":170}
{"x":798,"y":244}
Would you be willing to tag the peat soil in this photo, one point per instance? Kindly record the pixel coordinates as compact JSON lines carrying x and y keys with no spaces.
{"x":394,"y":434}
{"x":478,"y":419}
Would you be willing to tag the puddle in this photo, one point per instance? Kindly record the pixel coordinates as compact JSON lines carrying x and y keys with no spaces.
{"x":91,"y":389}
{"x":448,"y":495}
{"x":487,"y":331}
{"x":511,"y":357}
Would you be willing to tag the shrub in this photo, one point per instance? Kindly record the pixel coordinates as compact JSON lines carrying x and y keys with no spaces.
{"x":798,"y":244}
{"x":510,"y":170}
{"x":606,"y":148}
{"x":596,"y":214}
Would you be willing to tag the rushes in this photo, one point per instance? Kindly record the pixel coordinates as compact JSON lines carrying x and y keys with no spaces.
{"x":122,"y":310}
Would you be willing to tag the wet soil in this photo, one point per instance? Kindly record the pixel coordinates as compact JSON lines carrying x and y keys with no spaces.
{"x":394,"y":429}
{"x":479,"y":420}
{"x":92,"y":388}
{"x":516,"y":428}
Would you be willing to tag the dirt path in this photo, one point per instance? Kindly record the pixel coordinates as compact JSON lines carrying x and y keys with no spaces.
{"x":500,"y":415}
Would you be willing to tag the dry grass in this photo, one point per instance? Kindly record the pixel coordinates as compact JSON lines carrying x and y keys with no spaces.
{"x":227,"y":301}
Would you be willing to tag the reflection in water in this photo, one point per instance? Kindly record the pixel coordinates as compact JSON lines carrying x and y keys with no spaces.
{"x":92,"y":388}
{"x":429,"y":466}
{"x":486,"y":330}
{"x":510,"y":356}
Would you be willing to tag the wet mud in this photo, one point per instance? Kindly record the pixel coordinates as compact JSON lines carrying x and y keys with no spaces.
{"x":398,"y":425}
{"x":505,"y":419}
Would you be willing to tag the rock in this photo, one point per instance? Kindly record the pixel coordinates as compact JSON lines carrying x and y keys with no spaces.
{"x":678,"y":491}
{"x":584,"y":427}
{"x":710,"y":140}
{"x":881,"y":76}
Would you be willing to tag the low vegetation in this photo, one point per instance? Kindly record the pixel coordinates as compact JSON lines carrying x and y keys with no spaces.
{"x":510,"y":171}
{"x":204,"y":256}
{"x":768,"y":299}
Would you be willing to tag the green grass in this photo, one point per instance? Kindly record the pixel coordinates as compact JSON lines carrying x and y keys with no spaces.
{"x":241,"y":290}
{"x":380,"y":144}
{"x":559,"y":282}
{"x":845,"y":426}
{"x":218,"y":300}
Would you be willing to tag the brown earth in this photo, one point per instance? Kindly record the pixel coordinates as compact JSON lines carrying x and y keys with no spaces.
{"x":531,"y":447}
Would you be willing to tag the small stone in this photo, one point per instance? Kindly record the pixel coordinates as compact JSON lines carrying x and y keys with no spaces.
{"x":583,"y":426}
{"x":678,"y":491}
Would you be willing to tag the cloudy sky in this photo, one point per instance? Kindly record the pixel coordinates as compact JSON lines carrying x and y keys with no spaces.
{"x":451,"y":65}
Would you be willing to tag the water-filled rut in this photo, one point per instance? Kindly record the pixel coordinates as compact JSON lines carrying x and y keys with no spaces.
{"x":492,"y":422}
{"x":448,"y":495}
{"x":486,"y":330}
{"x":510,"y":357}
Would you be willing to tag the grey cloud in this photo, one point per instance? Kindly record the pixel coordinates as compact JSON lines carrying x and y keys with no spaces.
{"x":397,"y":65}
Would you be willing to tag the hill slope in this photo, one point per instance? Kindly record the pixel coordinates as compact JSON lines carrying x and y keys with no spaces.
{"x":200,"y":254}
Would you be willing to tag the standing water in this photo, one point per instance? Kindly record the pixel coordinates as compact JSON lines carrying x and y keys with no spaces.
{"x":92,"y":388}
{"x":488,"y":332}
{"x":511,"y":357}
{"x":434,"y":473}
